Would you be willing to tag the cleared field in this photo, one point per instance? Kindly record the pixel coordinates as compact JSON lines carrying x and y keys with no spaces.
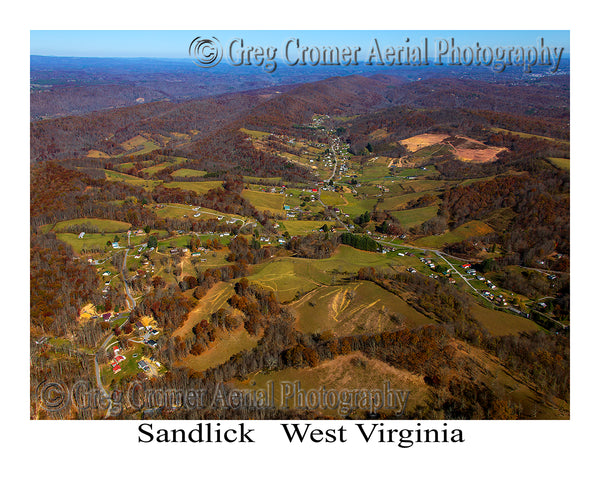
{"x":424,"y":185}
{"x":227,"y":345}
{"x":272,"y":202}
{"x":373,"y":172}
{"x":397,"y":202}
{"x":97,"y":154}
{"x":353,"y":309}
{"x":188,"y":172}
{"x":470,"y":229}
{"x":139,"y":144}
{"x":417,"y":142}
{"x":173,"y":210}
{"x":348,"y":259}
{"x":349,"y":372}
{"x":156,"y":168}
{"x":98,"y":241}
{"x":108,"y":226}
{"x":198,"y":187}
{"x":91,"y":241}
{"x":134,"y":142}
{"x":562,"y":163}
{"x":333,"y":198}
{"x":214,"y":299}
{"x":357,"y":206}
{"x":478,"y":155}
{"x":254,"y":133}
{"x":416,"y":216}
{"x":302,"y":227}
{"x":130,"y":179}
{"x":288,"y":278}
{"x":501,"y":323}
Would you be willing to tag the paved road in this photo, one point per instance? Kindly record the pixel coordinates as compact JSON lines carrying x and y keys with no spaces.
{"x":131,"y":303}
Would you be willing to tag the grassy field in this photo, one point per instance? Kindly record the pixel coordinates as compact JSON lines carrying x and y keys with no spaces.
{"x":470,"y":229}
{"x":141,"y":142}
{"x":333,"y":198}
{"x":198,"y":187}
{"x":502,"y":323}
{"x":397,"y":202}
{"x":161,"y":166}
{"x":91,"y":241}
{"x":130,"y":179}
{"x":373,"y":171}
{"x":353,"y":309}
{"x":562,"y":163}
{"x":287,"y":277}
{"x":188,"y":172}
{"x":107,"y":226}
{"x":97,"y":154}
{"x":97,"y":241}
{"x":357,"y":206}
{"x":174,"y":210}
{"x":272,"y":202}
{"x":224,"y":347}
{"x":291,"y":277}
{"x":302,"y":227}
{"x":416,"y":216}
{"x":254,"y":133}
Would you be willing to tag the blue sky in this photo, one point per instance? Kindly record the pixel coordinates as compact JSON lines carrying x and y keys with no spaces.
{"x":174,"y":44}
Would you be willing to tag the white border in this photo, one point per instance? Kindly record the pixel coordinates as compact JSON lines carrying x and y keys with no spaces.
{"x":493,"y":449}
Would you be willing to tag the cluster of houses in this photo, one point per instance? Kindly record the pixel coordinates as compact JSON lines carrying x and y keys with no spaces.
{"x":116,"y":361}
{"x":428,"y":262}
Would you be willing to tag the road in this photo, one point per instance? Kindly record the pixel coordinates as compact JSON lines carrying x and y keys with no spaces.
{"x":131,"y":303}
{"x":335,"y":163}
{"x":327,"y":181}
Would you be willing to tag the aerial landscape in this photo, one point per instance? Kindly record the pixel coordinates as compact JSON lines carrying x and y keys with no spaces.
{"x":231,"y":243}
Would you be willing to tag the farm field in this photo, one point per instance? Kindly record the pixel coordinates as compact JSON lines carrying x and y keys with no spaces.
{"x":303,"y":227}
{"x":188,"y":172}
{"x":354,"y":309}
{"x":130,"y":179}
{"x":562,"y":163}
{"x":272,"y":202}
{"x":502,"y":323}
{"x":415,"y":216}
{"x":107,"y":226}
